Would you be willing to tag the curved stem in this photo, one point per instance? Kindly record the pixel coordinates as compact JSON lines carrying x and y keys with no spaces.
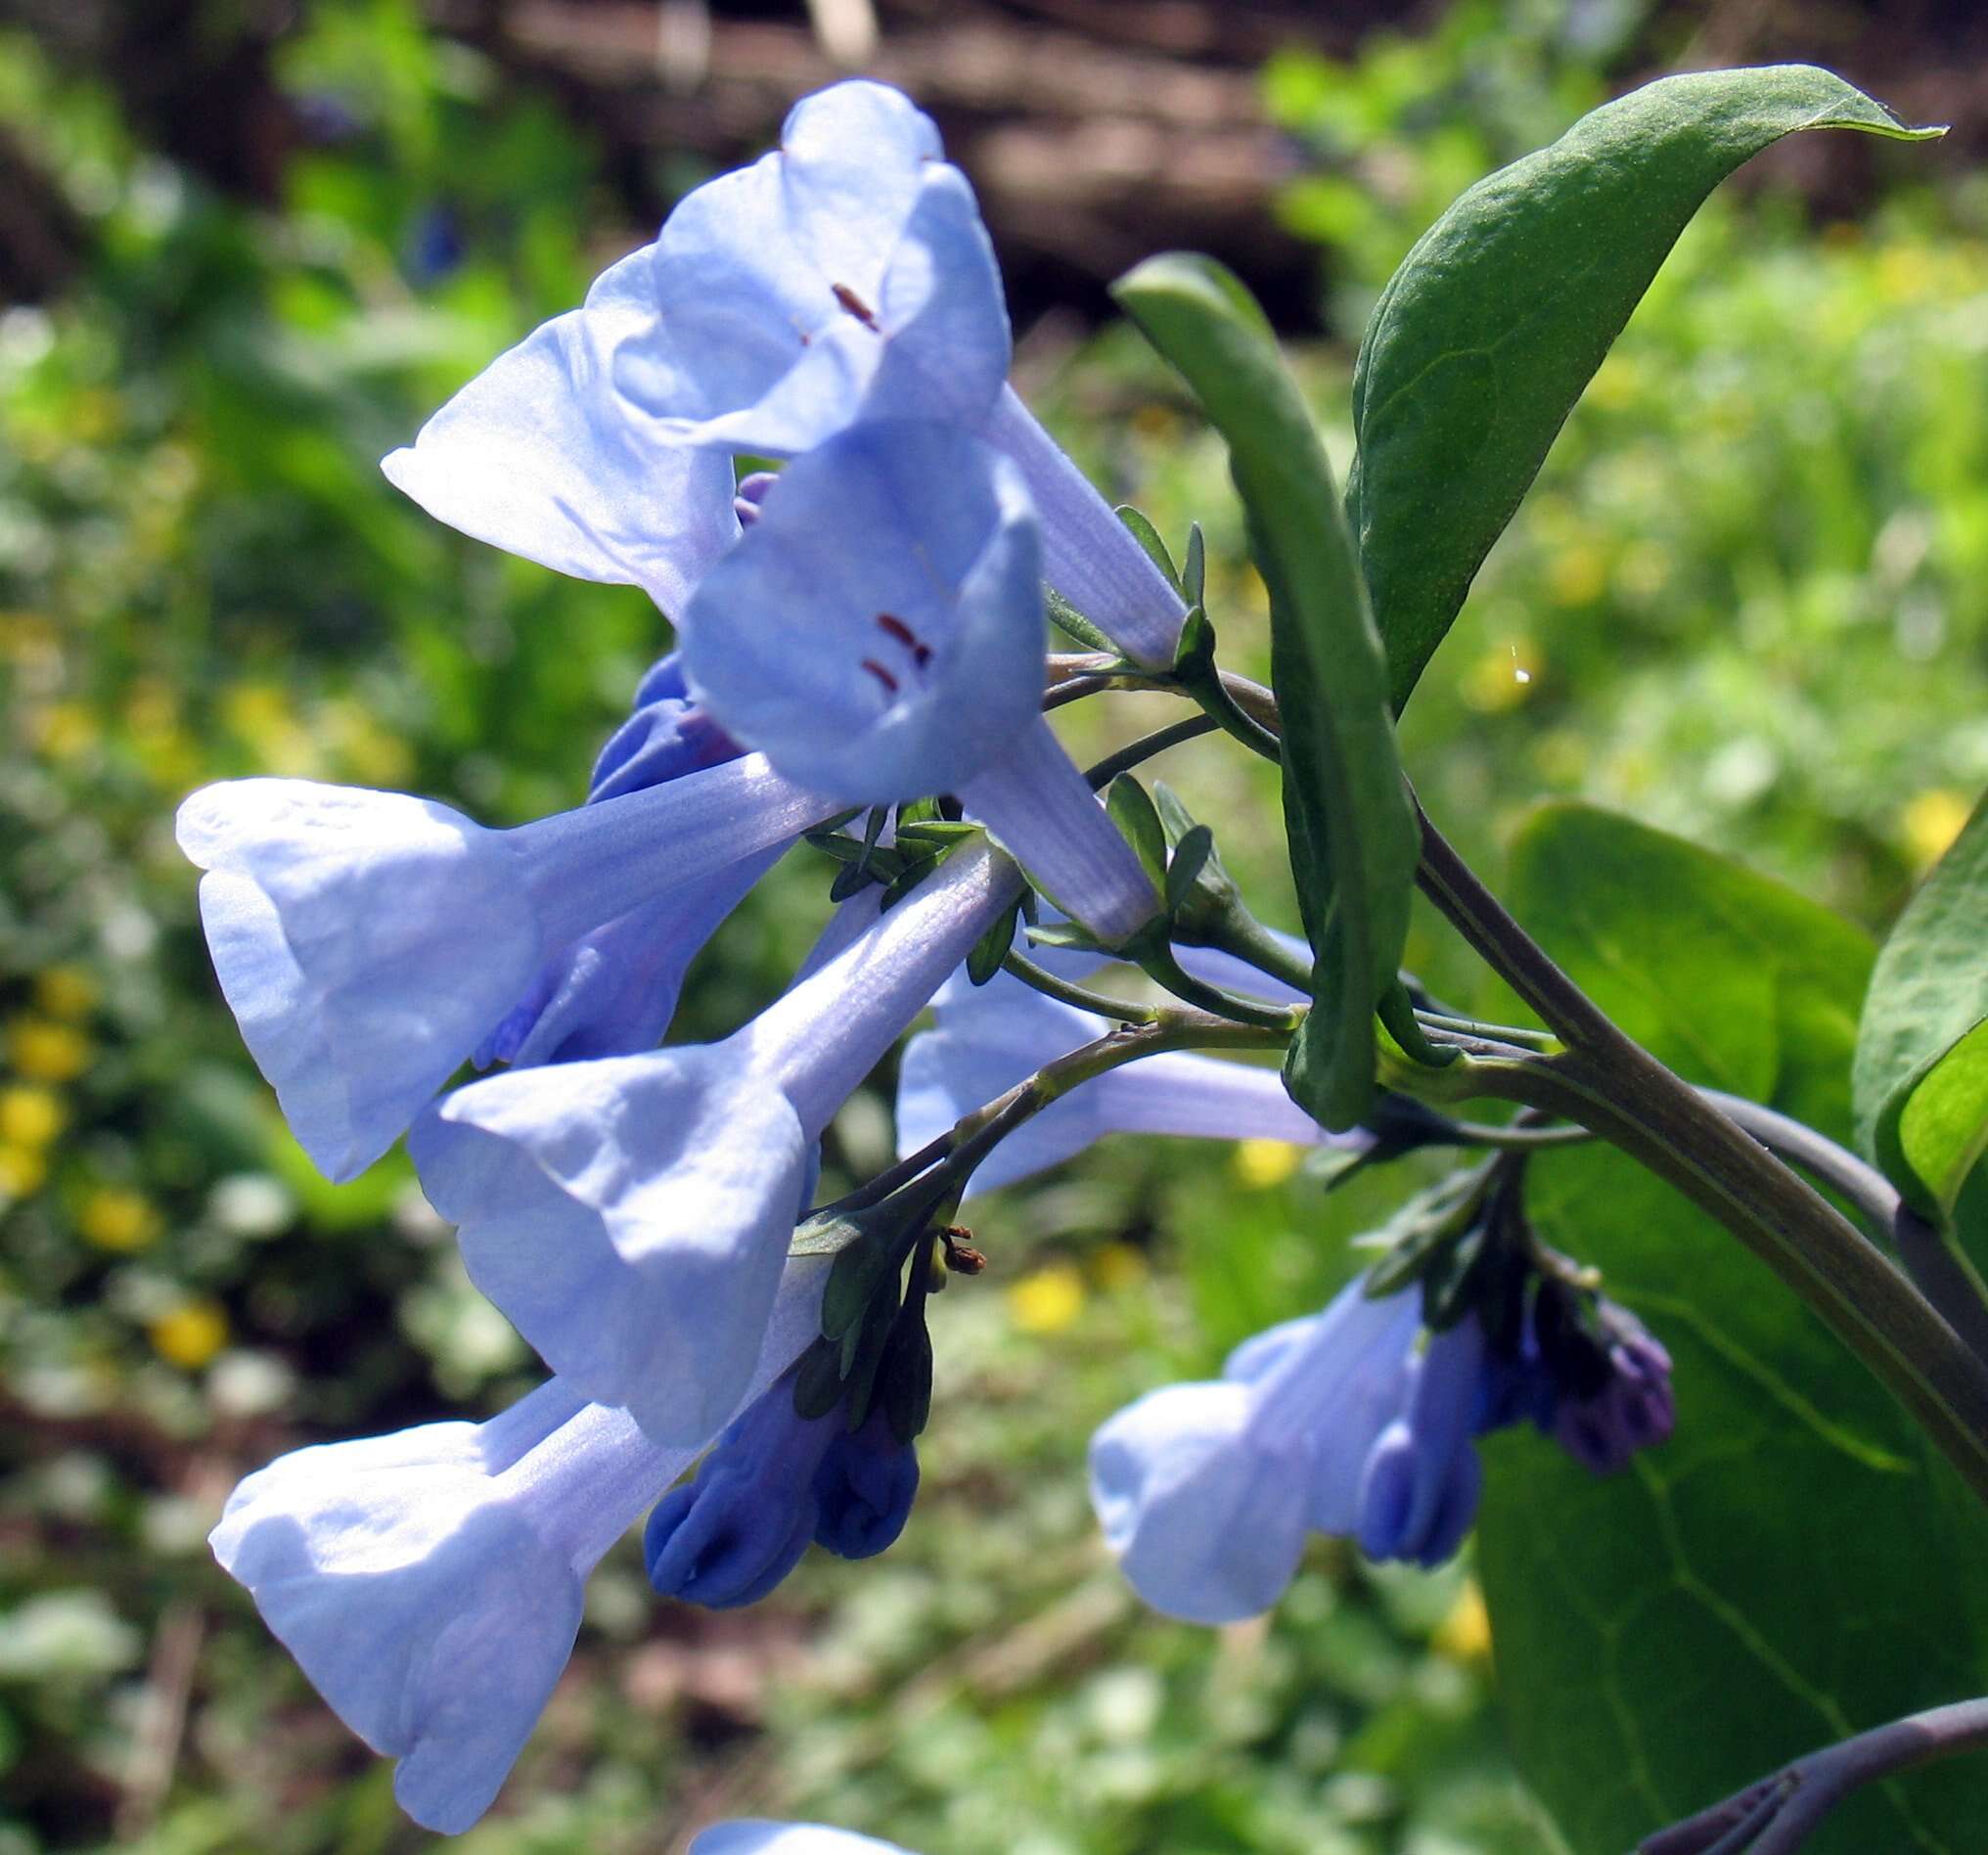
{"x":1240,"y":934}
{"x":1145,"y":747}
{"x":1944,"y":1275}
{"x":1099,"y":1004}
{"x":975,"y":1135}
{"x":1775,"y":1815}
{"x":1608,"y":1083}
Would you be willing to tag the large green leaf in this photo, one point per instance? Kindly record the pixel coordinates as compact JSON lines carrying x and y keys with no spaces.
{"x":1794,"y":1565}
{"x":1922,"y":1075}
{"x":1354,"y":841}
{"x":1485,"y":336}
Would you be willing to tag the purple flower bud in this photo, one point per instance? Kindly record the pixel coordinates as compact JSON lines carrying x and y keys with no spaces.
{"x":1635,"y":1409}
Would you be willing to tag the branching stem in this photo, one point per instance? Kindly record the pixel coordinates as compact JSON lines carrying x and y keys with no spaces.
{"x":1777,"y":1814}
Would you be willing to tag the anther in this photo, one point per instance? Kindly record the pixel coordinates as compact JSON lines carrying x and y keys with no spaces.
{"x":920,"y":651}
{"x":854,"y":304}
{"x":883,"y":675}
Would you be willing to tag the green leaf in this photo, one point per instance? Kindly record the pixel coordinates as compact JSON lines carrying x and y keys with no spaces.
{"x":1195,"y":566}
{"x":818,"y":1383}
{"x":1130,"y":807}
{"x":1148,"y":537}
{"x":904,"y":1379}
{"x":985,"y":958}
{"x":1486,"y":336}
{"x":1794,"y":1565}
{"x":1353,"y":834}
{"x":854,"y":1278}
{"x":1067,"y":618}
{"x":1921,"y":1081}
{"x":1194,"y":854}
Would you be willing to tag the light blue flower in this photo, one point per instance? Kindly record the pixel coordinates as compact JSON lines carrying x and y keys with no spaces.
{"x":845,"y":275}
{"x":542,"y":456}
{"x":878,"y":634}
{"x":430,"y":1582}
{"x":773,"y":1483}
{"x":759,"y":1837}
{"x":614,"y":991}
{"x":1205,"y":1492}
{"x":630,"y":1215}
{"x":987,"y":1038}
{"x":368,"y":942}
{"x":844,"y":278}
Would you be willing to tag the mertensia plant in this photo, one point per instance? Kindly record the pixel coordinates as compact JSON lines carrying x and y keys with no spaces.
{"x":1710,"y":1385}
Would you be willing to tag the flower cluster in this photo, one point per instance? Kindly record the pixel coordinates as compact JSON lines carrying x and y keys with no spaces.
{"x":1356,"y":1422}
{"x":863,"y":627}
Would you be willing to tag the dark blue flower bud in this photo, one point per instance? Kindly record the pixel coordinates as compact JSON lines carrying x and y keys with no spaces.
{"x":729,"y":1537}
{"x":864,"y":1489}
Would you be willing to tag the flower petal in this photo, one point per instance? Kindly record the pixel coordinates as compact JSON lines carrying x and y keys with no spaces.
{"x":631,"y":1216}
{"x":543,"y":456}
{"x":1206,"y":1517}
{"x":878,"y":633}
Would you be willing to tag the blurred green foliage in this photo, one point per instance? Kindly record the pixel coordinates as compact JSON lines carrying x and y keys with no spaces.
{"x":1746,"y":602}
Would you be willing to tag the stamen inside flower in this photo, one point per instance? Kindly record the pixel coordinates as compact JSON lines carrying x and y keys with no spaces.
{"x":855,"y":305}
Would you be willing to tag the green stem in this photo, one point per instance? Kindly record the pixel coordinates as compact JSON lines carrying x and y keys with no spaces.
{"x":1608,"y":1083}
{"x":975,"y":1135}
{"x":1145,"y":747}
{"x":1240,"y":933}
{"x":1082,"y":997}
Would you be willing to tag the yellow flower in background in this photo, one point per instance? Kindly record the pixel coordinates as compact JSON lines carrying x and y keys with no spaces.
{"x":372,"y":754}
{"x":262,"y":716}
{"x":1501,"y":678}
{"x":190,"y":1334}
{"x":1577,"y":575}
{"x":1465,"y":1635}
{"x":30,"y":1116}
{"x":63,"y":731}
{"x":40,"y":1050}
{"x":1932,"y":821}
{"x":1047,"y":1301}
{"x":30,"y":639}
{"x":1262,"y":1163}
{"x":116,"y":1219}
{"x":66,"y":991}
{"x":1117,"y":1266}
{"x":23,"y":1171}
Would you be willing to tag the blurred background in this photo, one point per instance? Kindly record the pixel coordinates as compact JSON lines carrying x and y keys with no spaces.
{"x":246,"y":247}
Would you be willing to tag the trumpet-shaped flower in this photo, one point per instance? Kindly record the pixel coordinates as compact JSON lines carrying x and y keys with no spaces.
{"x":842,"y":279}
{"x":368,"y":942}
{"x":1205,"y":1491}
{"x":987,"y":1038}
{"x":613,"y":991}
{"x":541,"y":455}
{"x":775,"y":1481}
{"x":846,"y":277}
{"x":630,"y":1215}
{"x":912,"y":550}
{"x":878,"y":633}
{"x":759,"y":1837}
{"x":430,"y":1582}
